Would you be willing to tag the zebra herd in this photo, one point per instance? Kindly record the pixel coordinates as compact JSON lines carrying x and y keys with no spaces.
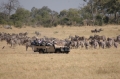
{"x":23,"y":39}
{"x":95,"y":41}
{"x":14,"y":39}
{"x":74,"y":42}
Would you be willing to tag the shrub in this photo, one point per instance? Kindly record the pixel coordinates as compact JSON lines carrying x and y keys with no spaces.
{"x":99,"y":20}
{"x":10,"y":23}
{"x":18,"y":24}
{"x":2,"y":21}
{"x":55,"y":24}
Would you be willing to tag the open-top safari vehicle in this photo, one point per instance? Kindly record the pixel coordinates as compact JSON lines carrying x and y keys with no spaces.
{"x":50,"y":48}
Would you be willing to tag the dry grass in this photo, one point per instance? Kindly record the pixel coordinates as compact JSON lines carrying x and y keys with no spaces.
{"x":16,"y":63}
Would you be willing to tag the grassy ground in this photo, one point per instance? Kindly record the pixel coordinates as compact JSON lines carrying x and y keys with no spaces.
{"x":17,"y":63}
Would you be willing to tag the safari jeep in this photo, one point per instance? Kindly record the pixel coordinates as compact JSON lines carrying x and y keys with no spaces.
{"x":51,"y":49}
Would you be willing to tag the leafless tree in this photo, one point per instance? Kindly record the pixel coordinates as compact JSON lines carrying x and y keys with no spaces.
{"x":9,"y":7}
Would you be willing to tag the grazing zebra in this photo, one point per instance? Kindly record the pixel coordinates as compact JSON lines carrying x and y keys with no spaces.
{"x":37,"y":33}
{"x":28,"y":44}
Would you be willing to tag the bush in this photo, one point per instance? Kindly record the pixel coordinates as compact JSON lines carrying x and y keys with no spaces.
{"x":10,"y":23}
{"x":47,"y":25}
{"x":55,"y":24}
{"x":99,"y":20}
{"x":65,"y":21}
{"x":18,"y":24}
{"x":2,"y":21}
{"x":106,"y":19}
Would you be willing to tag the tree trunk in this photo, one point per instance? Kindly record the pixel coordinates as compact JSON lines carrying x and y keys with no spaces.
{"x":9,"y":8}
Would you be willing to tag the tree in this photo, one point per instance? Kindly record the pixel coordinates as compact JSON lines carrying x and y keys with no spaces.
{"x":54,"y":18}
{"x":2,"y":18}
{"x":112,"y":7}
{"x":9,"y":7}
{"x":20,"y":17}
{"x":100,"y":8}
{"x":63,"y":13}
{"x":33,"y":12}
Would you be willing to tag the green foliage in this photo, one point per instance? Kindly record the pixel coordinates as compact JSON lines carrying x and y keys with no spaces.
{"x":99,"y":20}
{"x":22,"y":14}
{"x":102,"y":7}
{"x":10,"y":23}
{"x":47,"y":25}
{"x":2,"y":21}
{"x":20,"y":17}
{"x":18,"y":24}
{"x":106,"y":19}
{"x":65,"y":21}
{"x":94,"y":10}
{"x":63,"y":13}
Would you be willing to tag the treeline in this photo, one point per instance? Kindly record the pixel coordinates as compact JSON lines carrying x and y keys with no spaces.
{"x":95,"y":12}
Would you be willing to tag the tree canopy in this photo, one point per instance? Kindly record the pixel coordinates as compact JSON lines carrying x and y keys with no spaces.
{"x":97,"y":11}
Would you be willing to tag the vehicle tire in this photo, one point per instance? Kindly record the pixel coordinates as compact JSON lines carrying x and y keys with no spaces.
{"x":66,"y":52}
{"x":41,"y":51}
{"x":57,"y":51}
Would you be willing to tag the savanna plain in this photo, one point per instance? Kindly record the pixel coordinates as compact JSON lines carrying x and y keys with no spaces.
{"x":17,"y":63}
